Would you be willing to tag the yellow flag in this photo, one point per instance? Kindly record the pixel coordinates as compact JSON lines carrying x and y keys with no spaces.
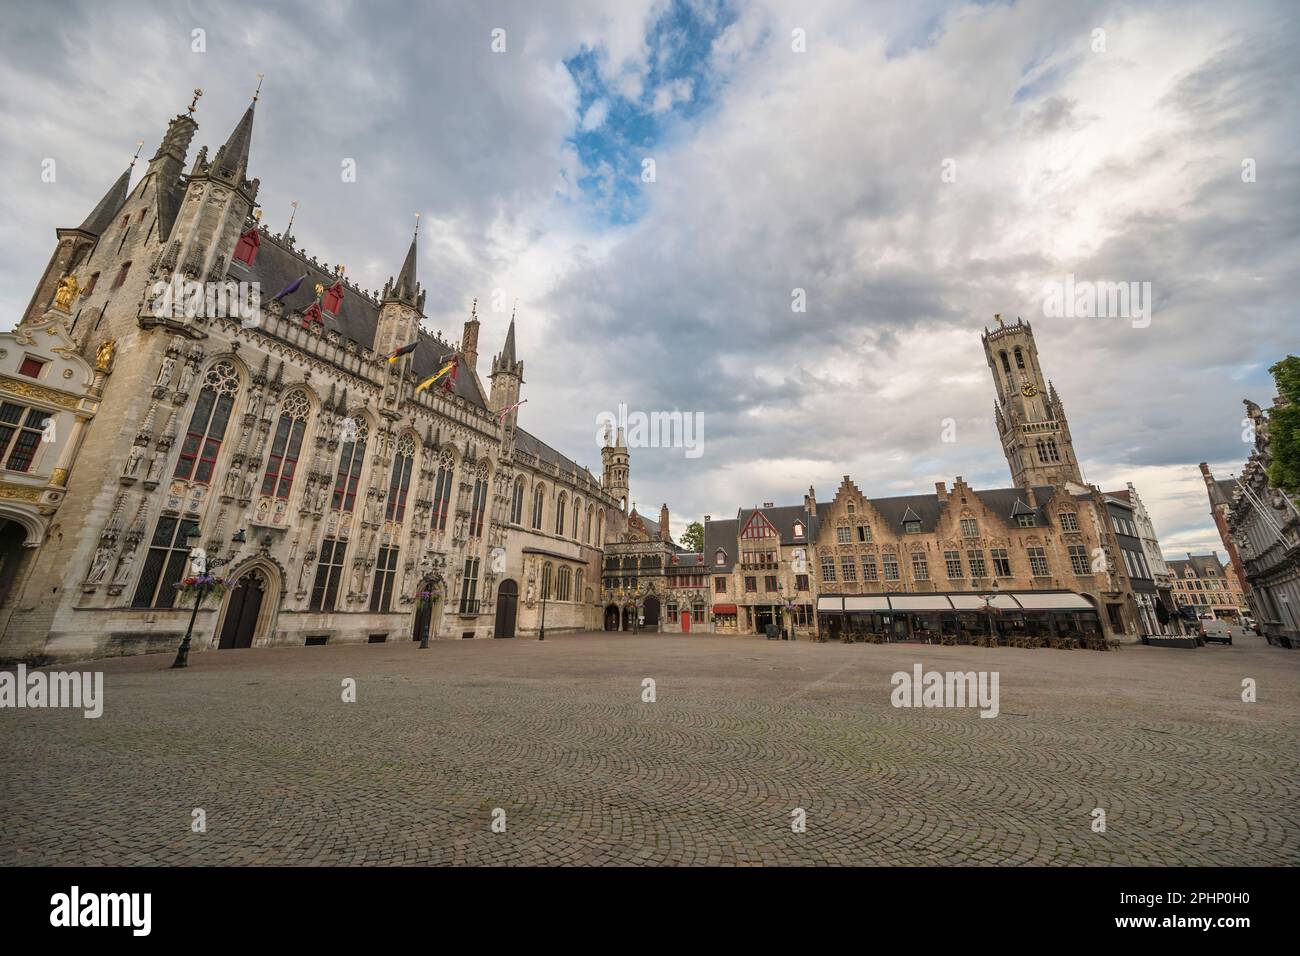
{"x":437,"y":375}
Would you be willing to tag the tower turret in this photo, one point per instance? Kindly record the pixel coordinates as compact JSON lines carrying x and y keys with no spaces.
{"x":1030,"y":416}
{"x":615,"y":458}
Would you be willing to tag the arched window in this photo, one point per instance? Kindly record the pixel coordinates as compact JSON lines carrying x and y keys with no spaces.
{"x":577,"y":585}
{"x":539,"y":501}
{"x":564,"y":581}
{"x":208,"y":424}
{"x":1006,"y":364}
{"x":478,"y":503}
{"x":719,"y":557}
{"x":577,"y":518}
{"x":560,"y":503}
{"x":517,"y":502}
{"x":586,"y":533}
{"x":286,"y":446}
{"x":442,"y":491}
{"x":600,"y":527}
{"x":399,"y":481}
{"x":546,"y":581}
{"x":1020,"y":358}
{"x":352,"y":459}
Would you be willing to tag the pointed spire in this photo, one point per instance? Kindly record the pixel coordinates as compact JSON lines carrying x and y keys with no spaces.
{"x":508,"y":352}
{"x":406,"y":288}
{"x":232,"y":159}
{"x":101,"y":217}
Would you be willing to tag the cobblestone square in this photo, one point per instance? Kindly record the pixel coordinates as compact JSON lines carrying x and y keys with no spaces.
{"x":742,"y":732}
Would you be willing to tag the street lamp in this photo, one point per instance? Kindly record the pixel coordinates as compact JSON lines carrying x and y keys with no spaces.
{"x":434,"y":582}
{"x":206,"y":581}
{"x":541,"y":634}
{"x":987,"y":598}
{"x":787,"y":604}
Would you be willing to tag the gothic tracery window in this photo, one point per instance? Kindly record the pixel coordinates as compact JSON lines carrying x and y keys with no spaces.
{"x":287,"y":445}
{"x":478,"y":503}
{"x":517,"y":502}
{"x":560,"y":504}
{"x":208,"y":422}
{"x":352,"y":458}
{"x":539,"y":501}
{"x":442,"y":491}
{"x":399,"y":482}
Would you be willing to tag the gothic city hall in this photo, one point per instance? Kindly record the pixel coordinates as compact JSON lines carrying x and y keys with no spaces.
{"x":340,"y":473}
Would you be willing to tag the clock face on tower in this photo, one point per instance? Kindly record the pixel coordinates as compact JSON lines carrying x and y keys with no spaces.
{"x":1029,"y":390}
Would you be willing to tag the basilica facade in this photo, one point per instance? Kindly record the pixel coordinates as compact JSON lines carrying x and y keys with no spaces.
{"x":298,"y":450}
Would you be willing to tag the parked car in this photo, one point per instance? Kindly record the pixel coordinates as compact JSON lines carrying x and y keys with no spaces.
{"x":1220,"y":632}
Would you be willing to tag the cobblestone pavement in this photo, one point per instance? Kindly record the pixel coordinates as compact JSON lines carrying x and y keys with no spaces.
{"x":743,"y":732}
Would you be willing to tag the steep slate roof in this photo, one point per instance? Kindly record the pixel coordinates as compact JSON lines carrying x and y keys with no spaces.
{"x":782,"y":519}
{"x":101,"y":217}
{"x":1003,"y":502}
{"x":1205,"y":566}
{"x":277,"y":266}
{"x":721,"y":534}
{"x":530,"y":444}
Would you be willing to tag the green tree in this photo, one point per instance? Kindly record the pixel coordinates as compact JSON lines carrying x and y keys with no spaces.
{"x":1284,"y":426}
{"x":694,"y":536}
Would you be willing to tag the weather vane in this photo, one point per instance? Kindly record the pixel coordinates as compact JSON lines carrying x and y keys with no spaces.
{"x":139,"y":144}
{"x":258,"y":91}
{"x":195,"y":102}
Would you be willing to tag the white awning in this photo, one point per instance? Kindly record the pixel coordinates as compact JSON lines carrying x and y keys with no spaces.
{"x":1054,"y":602}
{"x":830,"y":604}
{"x":973,"y":602}
{"x":928,"y":602}
{"x":873,"y":602}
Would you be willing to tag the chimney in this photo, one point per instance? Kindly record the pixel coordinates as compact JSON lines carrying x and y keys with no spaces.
{"x":810,"y":500}
{"x":1030,"y":498}
{"x":941,"y":489}
{"x":664,"y":533}
{"x":708,"y":518}
{"x":768,"y":504}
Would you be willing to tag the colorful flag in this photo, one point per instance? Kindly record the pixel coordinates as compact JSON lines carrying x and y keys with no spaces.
{"x":437,"y":375}
{"x":291,"y":287}
{"x":501,"y":416}
{"x":404,"y":350}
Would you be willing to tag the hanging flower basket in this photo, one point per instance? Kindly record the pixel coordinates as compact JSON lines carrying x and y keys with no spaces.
{"x":207,"y":584}
{"x":427,"y":599}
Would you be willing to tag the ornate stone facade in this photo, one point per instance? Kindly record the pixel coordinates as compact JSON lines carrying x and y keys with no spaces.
{"x":330,"y":491}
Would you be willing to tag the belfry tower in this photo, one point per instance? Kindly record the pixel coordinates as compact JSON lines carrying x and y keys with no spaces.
{"x":1030,"y":417}
{"x":614,"y":456}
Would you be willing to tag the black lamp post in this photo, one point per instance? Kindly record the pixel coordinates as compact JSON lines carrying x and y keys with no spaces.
{"x":541,"y":634}
{"x":201,"y":592}
{"x":988,"y":606}
{"x":433,"y":606}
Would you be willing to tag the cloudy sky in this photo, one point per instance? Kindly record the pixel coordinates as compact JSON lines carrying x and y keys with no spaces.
{"x":913,"y":168}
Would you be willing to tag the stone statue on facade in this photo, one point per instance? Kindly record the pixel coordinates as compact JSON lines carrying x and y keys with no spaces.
{"x":99,"y":567}
{"x":165,"y":372}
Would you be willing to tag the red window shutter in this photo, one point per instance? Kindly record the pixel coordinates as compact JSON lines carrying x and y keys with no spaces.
{"x":333,"y":298}
{"x":246,"y":248}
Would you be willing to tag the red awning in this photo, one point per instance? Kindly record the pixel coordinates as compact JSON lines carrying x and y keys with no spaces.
{"x":724,"y":609}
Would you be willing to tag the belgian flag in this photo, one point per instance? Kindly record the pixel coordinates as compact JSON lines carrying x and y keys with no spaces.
{"x":404,"y":350}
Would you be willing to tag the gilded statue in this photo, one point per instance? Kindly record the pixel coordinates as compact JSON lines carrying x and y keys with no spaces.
{"x":66,"y":292}
{"x":104,"y":355}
